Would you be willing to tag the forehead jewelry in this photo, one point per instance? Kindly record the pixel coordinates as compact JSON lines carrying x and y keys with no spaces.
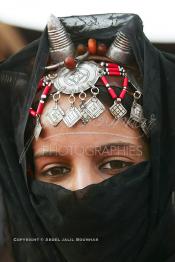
{"x":74,"y":77}
{"x":77,"y":82}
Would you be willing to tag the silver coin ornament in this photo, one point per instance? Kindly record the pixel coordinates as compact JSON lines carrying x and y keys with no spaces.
{"x":76,"y":81}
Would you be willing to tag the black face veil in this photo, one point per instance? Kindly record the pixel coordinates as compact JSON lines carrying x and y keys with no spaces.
{"x":125,"y":218}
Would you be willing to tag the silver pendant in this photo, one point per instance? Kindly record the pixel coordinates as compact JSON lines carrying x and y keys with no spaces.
{"x":73,"y":115}
{"x":144,"y":127}
{"x":136,"y":112}
{"x":84,"y":115}
{"x":37,"y":130}
{"x":76,"y":81}
{"x":118,"y":110}
{"x":94,"y":107}
{"x":55,"y":115}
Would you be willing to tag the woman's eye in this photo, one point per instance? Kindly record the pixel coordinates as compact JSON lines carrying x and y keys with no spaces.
{"x":56,"y":171}
{"x":115,"y":166}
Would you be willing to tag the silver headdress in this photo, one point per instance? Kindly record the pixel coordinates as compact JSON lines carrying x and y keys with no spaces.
{"x":61,"y":44}
{"x":75,"y":81}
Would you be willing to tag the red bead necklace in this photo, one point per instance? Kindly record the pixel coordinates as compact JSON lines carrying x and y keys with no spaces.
{"x":114,"y":70}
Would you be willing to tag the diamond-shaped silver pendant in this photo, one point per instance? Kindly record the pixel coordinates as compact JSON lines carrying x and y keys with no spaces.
{"x":72,"y":116}
{"x":55,"y":115}
{"x":136,"y":112}
{"x":85,"y":117}
{"x":117,"y":110}
{"x":94,"y":107}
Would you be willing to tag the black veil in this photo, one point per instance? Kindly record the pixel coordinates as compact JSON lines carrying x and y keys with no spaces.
{"x":27,"y":207}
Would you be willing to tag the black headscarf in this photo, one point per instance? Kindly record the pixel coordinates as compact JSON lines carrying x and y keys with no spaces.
{"x":124,"y":218}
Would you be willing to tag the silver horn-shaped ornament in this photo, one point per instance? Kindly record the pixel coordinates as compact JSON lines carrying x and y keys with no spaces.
{"x":60,"y":42}
{"x":120,"y":50}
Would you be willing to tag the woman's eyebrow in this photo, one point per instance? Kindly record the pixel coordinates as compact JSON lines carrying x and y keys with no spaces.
{"x":95,"y":150}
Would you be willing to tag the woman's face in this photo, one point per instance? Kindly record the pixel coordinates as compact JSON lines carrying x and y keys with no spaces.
{"x":85,"y":154}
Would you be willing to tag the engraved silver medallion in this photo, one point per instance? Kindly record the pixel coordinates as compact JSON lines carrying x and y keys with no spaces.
{"x":118,"y":110}
{"x":94,"y":107}
{"x":76,"y":81}
{"x":136,"y":112}
{"x":55,"y":115}
{"x":73,"y":115}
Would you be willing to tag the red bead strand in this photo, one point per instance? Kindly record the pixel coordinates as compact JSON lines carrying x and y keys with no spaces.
{"x":41,"y":102}
{"x":123,"y":93}
{"x":32,"y":112}
{"x":125,"y":82}
{"x":125,"y":86}
{"x":110,"y":90}
{"x":112,"y":93}
{"x":116,"y":71}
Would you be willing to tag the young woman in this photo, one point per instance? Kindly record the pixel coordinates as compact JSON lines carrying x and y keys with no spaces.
{"x":87,"y":144}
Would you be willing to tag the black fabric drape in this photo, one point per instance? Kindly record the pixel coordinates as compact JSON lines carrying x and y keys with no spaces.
{"x":129,"y":213}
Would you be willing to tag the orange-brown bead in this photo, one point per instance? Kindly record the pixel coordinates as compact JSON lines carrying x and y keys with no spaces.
{"x":92,"y":46}
{"x":101,"y":49}
{"x":70,"y":62}
{"x":81,"y":49}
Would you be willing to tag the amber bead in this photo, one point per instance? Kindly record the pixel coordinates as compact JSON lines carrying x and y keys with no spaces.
{"x":81,"y":49}
{"x":101,"y":49}
{"x":70,"y":62}
{"x":92,"y":46}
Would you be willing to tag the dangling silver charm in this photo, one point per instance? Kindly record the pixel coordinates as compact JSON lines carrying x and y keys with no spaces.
{"x":85,"y":117}
{"x":93,"y":106}
{"x":73,"y":115}
{"x":117,"y":109}
{"x":55,"y":115}
{"x":145,"y":127}
{"x":136,"y":109}
{"x":38,"y":128}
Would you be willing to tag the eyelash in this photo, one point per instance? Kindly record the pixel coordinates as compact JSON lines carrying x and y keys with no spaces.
{"x":56,"y":168}
{"x":123,"y":165}
{"x":66,"y":170}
